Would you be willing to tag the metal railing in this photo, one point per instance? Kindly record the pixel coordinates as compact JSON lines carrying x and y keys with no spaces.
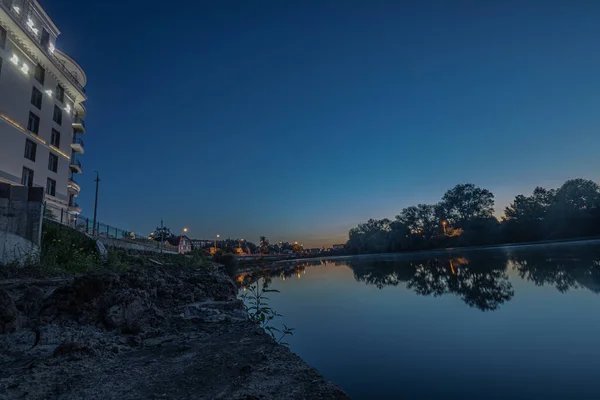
{"x":76,"y":162}
{"x":101,"y":230}
{"x":21,"y":18}
{"x":79,"y":141}
{"x":78,"y":120}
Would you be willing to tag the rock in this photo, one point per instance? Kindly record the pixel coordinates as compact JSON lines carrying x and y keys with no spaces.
{"x":10,"y":320}
{"x":30,"y":303}
{"x":71,"y":349}
{"x":169,"y":332}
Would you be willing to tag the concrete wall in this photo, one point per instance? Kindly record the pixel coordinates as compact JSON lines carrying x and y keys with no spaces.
{"x":21,"y":213}
{"x":129,"y":245}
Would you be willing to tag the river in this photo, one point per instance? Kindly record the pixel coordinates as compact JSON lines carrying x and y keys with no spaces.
{"x":509,"y":322}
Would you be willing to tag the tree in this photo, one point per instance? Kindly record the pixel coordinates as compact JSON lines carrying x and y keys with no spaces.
{"x":531,"y":208}
{"x":467,"y":201}
{"x":161,"y":234}
{"x":576,"y":209}
{"x":296,"y":248}
{"x":264,"y":245}
{"x":251,"y":247}
{"x":578,"y":195}
{"x":370,"y":237}
{"x":420,"y":220}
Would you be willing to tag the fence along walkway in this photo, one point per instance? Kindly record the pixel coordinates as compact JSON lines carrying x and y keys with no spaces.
{"x":103,"y":231}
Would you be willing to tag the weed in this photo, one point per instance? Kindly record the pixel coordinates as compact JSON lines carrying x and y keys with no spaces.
{"x":259,"y":312}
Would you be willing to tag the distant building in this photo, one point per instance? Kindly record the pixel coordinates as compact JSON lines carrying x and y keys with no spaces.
{"x":199,"y":244}
{"x":337,"y":247}
{"x":183,"y":243}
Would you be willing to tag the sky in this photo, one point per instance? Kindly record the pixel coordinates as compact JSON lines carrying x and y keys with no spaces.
{"x":297,"y":120}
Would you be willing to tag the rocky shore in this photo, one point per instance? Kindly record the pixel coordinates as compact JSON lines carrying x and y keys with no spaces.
{"x":147,"y":333}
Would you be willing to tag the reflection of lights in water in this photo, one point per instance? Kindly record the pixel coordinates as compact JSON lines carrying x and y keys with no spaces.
{"x":283,"y":277}
{"x":298,"y":274}
{"x":304,"y":272}
{"x":244,"y":288}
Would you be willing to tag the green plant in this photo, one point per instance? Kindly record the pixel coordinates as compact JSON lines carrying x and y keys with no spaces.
{"x":65,"y":249}
{"x":259,"y":312}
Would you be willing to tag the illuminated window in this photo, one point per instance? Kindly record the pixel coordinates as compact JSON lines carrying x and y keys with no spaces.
{"x":30,"y":150}
{"x":36,"y":98}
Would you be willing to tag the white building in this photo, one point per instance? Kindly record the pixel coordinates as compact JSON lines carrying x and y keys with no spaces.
{"x":41,"y":106}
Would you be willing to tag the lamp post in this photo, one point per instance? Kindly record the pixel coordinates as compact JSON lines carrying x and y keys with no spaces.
{"x":216,"y":244}
{"x":444,"y":225}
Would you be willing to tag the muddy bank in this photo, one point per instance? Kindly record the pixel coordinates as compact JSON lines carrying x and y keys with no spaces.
{"x":163,"y":332}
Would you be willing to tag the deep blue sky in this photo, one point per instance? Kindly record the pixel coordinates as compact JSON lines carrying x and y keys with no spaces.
{"x":298,"y":119}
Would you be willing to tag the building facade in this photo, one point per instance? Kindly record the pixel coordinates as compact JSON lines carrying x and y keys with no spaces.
{"x":42,"y":107}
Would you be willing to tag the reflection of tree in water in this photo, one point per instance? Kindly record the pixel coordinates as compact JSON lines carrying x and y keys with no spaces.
{"x":480,"y":283}
{"x":577,"y":268}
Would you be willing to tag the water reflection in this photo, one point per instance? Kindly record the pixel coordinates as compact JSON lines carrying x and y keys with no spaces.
{"x":564,"y":272}
{"x":479,"y":278}
{"x":483,"y":285}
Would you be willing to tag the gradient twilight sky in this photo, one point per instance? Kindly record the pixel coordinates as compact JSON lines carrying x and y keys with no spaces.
{"x":299,"y":119}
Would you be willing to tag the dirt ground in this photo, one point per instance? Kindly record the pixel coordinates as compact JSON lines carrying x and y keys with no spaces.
{"x":174,"y":333}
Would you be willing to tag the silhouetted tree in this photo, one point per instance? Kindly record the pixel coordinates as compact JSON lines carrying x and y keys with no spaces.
{"x":467,"y":201}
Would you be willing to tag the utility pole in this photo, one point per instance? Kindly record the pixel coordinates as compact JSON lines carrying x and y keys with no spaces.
{"x":97,"y":180}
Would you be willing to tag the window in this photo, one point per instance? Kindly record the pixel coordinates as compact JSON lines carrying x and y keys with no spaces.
{"x":2,"y":37}
{"x":30,"y":150}
{"x":71,"y":200}
{"x":55,"y":138}
{"x":33,"y":125}
{"x":51,"y":187}
{"x":40,"y":74}
{"x":27,"y":177}
{"x":60,"y":93}
{"x":36,"y":98}
{"x":57,"y":117}
{"x":45,"y":38}
{"x":53,"y":162}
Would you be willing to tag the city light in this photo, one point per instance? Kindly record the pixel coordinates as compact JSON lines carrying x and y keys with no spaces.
{"x":68,"y":108}
{"x":25,"y":68}
{"x":17,"y":9}
{"x":49,"y":93}
{"x":14,"y":59}
{"x":185,"y":229}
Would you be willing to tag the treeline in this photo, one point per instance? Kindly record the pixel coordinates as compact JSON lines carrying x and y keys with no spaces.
{"x":465,"y":217}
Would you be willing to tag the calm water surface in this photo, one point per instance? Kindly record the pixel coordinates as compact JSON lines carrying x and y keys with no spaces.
{"x":512,"y":322}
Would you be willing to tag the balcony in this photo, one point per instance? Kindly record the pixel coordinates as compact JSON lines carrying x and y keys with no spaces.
{"x":73,"y":187}
{"x":77,"y":145}
{"x":76,"y":166}
{"x":78,"y":124}
{"x":21,"y":15}
{"x":74,"y":208}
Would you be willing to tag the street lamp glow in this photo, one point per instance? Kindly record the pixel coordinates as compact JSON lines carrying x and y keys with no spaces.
{"x":185,"y":229}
